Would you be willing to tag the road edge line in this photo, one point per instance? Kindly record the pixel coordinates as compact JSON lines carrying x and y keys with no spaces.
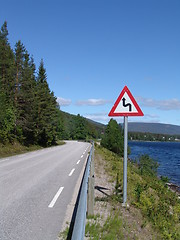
{"x":71,"y":205}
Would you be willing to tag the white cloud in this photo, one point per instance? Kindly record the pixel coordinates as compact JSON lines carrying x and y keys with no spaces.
{"x":63,"y":101}
{"x":172,"y":104}
{"x":92,"y":102}
{"x":166,"y":105}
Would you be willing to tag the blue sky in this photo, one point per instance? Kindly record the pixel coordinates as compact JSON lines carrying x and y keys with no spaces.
{"x":93,"y":48}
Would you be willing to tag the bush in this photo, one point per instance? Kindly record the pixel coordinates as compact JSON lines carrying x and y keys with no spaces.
{"x":147,"y":165}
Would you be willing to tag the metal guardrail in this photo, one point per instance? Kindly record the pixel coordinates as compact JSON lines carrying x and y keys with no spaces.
{"x":80,"y":219}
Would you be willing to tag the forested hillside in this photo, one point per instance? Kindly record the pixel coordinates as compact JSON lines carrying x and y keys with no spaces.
{"x":78,"y":127}
{"x":29,"y":112}
{"x":156,"y":128}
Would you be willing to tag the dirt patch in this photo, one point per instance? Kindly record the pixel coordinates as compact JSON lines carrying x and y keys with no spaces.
{"x":103,"y":188}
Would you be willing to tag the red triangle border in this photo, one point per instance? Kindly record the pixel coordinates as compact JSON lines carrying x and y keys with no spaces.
{"x":112,"y":112}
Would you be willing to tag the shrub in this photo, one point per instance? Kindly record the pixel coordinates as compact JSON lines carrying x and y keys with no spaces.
{"x":147,"y":165}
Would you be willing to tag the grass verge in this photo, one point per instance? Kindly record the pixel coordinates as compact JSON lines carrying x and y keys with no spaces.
{"x":15,"y":148}
{"x":154,"y":211}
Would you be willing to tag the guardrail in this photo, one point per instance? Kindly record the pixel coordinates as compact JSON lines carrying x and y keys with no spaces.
{"x":80,"y":219}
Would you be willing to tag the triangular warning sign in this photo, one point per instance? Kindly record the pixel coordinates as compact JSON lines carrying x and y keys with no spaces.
{"x":125,"y":105}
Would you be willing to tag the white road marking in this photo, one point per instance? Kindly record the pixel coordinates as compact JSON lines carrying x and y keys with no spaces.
{"x":82,"y":156}
{"x":51,"y":205}
{"x":78,"y":161}
{"x":71,"y":172}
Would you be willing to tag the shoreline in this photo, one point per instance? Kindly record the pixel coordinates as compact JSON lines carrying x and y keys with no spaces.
{"x":172,"y":186}
{"x":175,"y":188}
{"x":150,"y":141}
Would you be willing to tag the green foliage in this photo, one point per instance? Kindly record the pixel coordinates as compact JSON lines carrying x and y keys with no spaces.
{"x":7,"y":122}
{"x":159,"y":205}
{"x":29,"y":112}
{"x":112,"y":229}
{"x":77,"y":127}
{"x":118,"y":189}
{"x":46,"y":114}
{"x":138,"y":191}
{"x":10,"y":149}
{"x":6,"y":65}
{"x":64,"y":235}
{"x":165,"y":179}
{"x":28,"y":108}
{"x":113,"y":139}
{"x":147,"y":165}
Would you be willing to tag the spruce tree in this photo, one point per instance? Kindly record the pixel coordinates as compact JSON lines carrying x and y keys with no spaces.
{"x":28,"y":109}
{"x":19,"y":60}
{"x":46,"y":118}
{"x":18,"y":82}
{"x":7,"y":118}
{"x":6,"y":65}
{"x":26,"y":99}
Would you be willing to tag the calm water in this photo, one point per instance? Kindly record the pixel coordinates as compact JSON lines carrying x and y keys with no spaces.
{"x":166,"y":153}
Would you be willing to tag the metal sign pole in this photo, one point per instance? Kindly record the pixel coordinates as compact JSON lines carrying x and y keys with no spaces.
{"x":125,"y":160}
{"x":125,"y":106}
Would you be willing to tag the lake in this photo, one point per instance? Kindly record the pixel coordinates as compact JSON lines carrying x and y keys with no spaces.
{"x":167,"y":154}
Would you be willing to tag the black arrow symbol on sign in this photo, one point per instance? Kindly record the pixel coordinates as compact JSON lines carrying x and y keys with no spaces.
{"x":127,"y":104}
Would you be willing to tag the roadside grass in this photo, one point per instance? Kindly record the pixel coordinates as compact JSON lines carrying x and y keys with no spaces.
{"x":159,"y":206}
{"x":112,"y":229}
{"x":60,"y":142}
{"x":64,"y":234}
{"x":8,"y":149}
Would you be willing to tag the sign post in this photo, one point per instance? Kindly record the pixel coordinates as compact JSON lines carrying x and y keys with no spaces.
{"x":125,"y":160}
{"x":125,"y":106}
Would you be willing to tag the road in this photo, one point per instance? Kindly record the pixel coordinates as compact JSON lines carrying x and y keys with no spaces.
{"x":36,"y":188}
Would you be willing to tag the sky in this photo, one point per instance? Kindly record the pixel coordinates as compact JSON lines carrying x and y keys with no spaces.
{"x":93,"y":48}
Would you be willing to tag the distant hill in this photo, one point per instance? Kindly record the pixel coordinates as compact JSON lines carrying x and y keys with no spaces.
{"x":158,"y":128}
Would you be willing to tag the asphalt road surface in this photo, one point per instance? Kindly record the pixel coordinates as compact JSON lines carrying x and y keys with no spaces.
{"x":36,"y":188}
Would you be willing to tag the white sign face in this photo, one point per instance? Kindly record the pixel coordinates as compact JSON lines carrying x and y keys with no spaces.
{"x":125,"y":105}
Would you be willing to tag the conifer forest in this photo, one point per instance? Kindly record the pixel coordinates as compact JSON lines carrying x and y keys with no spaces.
{"x":29,"y":112}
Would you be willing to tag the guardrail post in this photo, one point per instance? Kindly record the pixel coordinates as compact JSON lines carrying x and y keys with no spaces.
{"x":90,"y":200}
